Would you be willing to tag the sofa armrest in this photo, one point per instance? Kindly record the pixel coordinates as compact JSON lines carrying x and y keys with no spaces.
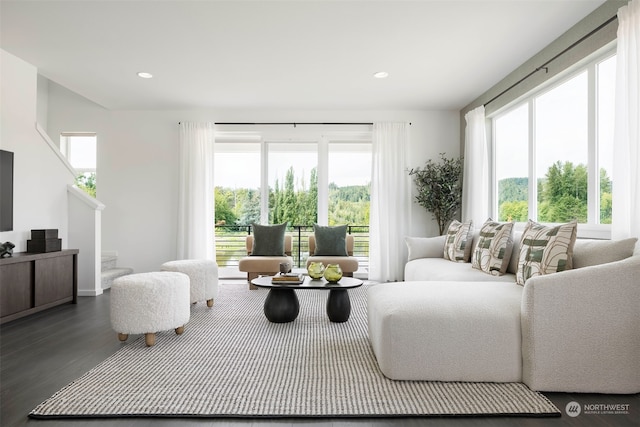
{"x":581,"y":329}
{"x":425,"y":247}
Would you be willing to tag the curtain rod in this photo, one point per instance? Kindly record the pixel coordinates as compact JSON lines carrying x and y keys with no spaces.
{"x":545,"y":65}
{"x":294,"y":124}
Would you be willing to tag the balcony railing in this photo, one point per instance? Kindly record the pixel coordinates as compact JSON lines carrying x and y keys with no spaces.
{"x":230,"y":244}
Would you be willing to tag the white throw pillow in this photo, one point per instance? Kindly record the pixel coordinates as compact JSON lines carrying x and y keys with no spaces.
{"x":425,"y":247}
{"x":493,"y":250}
{"x":457,"y":247}
{"x":545,"y":250}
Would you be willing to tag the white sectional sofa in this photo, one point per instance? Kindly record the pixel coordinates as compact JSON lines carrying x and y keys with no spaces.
{"x":573,"y":331}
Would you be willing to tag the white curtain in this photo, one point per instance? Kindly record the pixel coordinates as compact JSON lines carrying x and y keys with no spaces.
{"x":626,"y":142}
{"x":390,"y":202}
{"x":475,"y":184}
{"x":196,"y":238}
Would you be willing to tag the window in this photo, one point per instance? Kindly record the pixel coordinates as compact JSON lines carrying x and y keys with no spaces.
{"x":561,"y":151}
{"x":553,"y":150}
{"x":349,"y":183}
{"x":293,"y":182}
{"x":323,"y":179}
{"x":605,"y":109}
{"x":80,"y":149}
{"x":237,"y":183}
{"x":511,"y":158}
{"x":300,"y":177}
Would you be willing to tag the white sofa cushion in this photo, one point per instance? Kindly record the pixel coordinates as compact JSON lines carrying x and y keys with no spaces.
{"x":446,"y":331}
{"x":440,"y":269}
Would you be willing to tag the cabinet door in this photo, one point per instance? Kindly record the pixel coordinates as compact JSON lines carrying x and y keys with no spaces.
{"x":54,"y":279}
{"x":16,"y":289}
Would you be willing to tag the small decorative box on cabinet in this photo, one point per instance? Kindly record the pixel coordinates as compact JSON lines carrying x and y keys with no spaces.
{"x":44,"y":241}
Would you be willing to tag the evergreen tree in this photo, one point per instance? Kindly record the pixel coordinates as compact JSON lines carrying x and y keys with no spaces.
{"x":250,"y":206}
{"x":289,"y":208}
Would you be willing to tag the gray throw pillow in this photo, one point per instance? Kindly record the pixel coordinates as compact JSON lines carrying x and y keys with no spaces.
{"x":330,"y":241}
{"x":268,"y":240}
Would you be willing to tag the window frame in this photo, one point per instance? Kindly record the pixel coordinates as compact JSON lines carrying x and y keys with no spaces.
{"x":593,"y":228}
{"x":65,"y":148}
{"x":322,"y":136}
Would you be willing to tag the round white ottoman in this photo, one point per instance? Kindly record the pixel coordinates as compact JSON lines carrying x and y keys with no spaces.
{"x":147,"y":303}
{"x":203,"y":274}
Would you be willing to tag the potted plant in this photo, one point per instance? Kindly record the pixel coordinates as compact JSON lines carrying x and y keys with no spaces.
{"x":440,"y":188}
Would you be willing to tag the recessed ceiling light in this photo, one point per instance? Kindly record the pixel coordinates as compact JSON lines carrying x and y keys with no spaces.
{"x":145,"y":75}
{"x":381,"y":75}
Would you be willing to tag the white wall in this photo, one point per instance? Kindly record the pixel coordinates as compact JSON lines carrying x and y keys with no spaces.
{"x":40,"y":179}
{"x":42,"y":102}
{"x":137,"y":169}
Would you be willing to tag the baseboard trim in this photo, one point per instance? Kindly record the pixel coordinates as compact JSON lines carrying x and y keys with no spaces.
{"x":85,"y":293}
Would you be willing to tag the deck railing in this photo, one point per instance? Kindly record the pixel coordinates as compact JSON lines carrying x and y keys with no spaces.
{"x":230,"y":243}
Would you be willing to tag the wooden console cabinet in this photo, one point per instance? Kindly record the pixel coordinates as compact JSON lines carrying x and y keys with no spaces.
{"x":34,"y":282}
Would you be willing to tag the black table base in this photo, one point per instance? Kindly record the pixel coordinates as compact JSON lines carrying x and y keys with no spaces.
{"x":338,"y":305}
{"x":282,"y":305}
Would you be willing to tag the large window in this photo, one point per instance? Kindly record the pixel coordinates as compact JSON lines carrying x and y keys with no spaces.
{"x":319,"y":178}
{"x":552,"y":151}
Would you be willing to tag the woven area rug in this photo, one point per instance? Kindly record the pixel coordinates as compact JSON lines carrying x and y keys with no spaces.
{"x":232,"y":362}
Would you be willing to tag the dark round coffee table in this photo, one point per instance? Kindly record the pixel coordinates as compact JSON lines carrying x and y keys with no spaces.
{"x":281,"y":304}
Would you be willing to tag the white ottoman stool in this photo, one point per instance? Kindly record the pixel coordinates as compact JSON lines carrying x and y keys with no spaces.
{"x":203,"y":274}
{"x":147,"y":303}
{"x":446,"y":331}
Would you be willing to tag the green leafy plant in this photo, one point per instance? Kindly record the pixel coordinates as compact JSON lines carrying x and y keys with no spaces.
{"x":87,"y":183}
{"x":440,"y":188}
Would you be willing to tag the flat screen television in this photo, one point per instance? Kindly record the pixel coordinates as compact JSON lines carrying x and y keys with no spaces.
{"x":6,"y":190}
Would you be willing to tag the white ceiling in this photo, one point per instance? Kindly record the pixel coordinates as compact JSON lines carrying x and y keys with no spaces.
{"x":282,"y":54}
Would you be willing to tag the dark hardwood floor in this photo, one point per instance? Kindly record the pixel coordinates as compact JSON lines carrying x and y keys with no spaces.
{"x":44,"y":352}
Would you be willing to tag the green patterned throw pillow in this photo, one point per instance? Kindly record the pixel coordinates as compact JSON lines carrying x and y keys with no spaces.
{"x":493,"y":249}
{"x":545,"y":250}
{"x":457,"y":247}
